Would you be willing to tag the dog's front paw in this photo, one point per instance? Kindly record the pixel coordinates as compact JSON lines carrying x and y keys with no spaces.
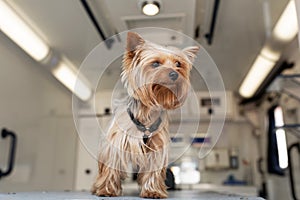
{"x":103,"y":193}
{"x":153,"y":195}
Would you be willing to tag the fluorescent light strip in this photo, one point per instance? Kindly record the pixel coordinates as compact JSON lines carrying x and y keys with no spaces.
{"x":286,"y":27}
{"x":281,"y":138}
{"x":278,"y":115}
{"x":285,"y":30}
{"x":18,"y":31}
{"x":282,"y":148}
{"x":258,"y":72}
{"x":270,"y":54}
{"x":66,"y":75}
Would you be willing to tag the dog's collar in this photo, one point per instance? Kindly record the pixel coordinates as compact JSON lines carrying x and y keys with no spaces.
{"x":142,"y":127}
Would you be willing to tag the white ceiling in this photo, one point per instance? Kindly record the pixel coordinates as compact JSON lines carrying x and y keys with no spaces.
{"x":239,"y":32}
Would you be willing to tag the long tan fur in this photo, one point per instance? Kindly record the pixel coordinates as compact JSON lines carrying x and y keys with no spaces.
{"x":150,"y":93}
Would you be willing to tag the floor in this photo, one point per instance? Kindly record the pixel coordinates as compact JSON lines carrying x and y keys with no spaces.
{"x":175,"y":195}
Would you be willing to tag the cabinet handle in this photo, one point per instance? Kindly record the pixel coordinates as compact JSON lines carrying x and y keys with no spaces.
{"x":13,"y":145}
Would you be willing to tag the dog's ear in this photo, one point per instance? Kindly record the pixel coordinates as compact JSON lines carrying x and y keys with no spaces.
{"x":133,"y":40}
{"x":191,"y":52}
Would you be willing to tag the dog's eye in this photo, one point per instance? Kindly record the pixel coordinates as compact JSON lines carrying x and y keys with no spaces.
{"x":178,"y":64}
{"x":155,"y":64}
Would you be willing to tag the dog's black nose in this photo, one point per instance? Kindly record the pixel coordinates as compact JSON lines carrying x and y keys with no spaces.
{"x":173,"y":75}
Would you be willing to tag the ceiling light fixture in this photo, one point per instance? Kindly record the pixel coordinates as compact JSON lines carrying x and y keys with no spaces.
{"x":284,"y":31}
{"x":19,"y":32}
{"x":150,"y":8}
{"x":258,"y":72}
{"x":270,"y":53}
{"x":286,"y":27}
{"x":67,"y":74}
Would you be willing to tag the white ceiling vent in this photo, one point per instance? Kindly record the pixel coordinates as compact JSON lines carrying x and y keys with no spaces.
{"x":175,"y":22}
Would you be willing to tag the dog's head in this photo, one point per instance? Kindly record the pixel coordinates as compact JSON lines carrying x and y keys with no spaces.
{"x":157,"y":75}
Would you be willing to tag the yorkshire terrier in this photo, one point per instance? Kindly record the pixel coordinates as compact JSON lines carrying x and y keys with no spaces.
{"x":157,"y":79}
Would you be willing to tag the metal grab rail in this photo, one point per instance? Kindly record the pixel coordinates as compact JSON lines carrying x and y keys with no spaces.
{"x":108,"y":41}
{"x":13,"y":145}
{"x":210,"y":34}
{"x":291,"y":172}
